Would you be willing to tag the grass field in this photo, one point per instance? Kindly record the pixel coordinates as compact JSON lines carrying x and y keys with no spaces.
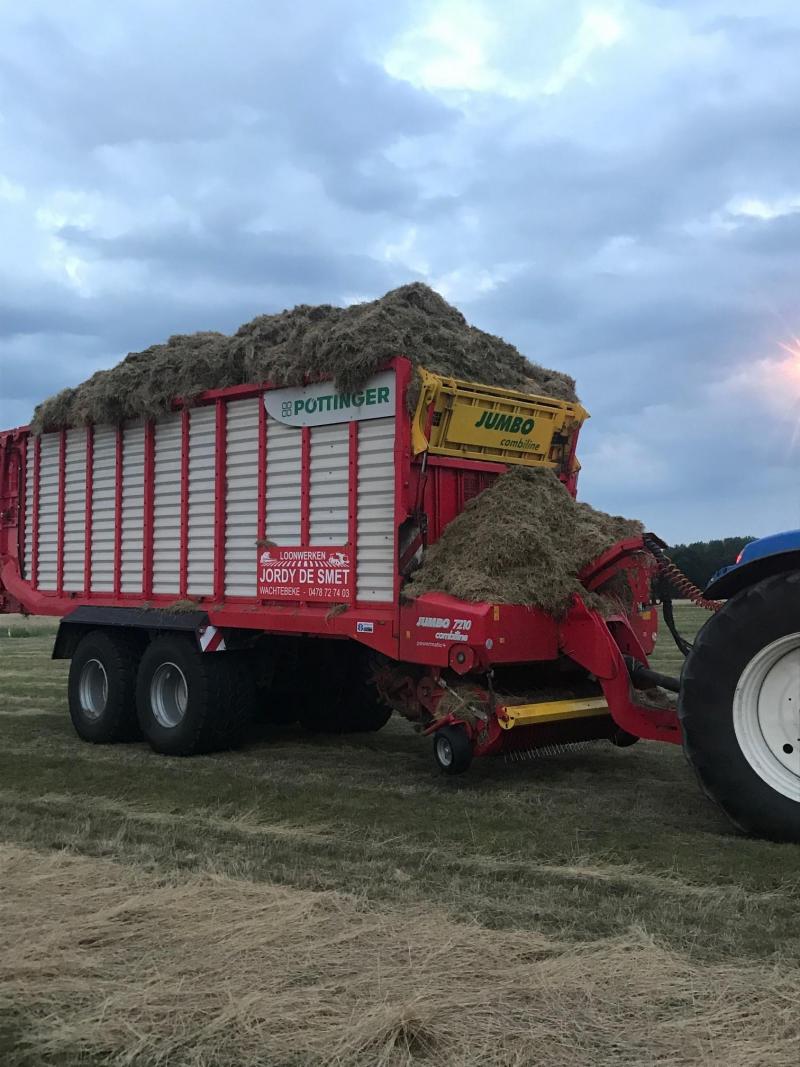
{"x":334,"y":900}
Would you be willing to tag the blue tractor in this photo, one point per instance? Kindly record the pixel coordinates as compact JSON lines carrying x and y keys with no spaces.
{"x":739,"y":700}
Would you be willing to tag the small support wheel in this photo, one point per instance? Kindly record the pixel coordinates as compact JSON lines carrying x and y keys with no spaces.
{"x":622,"y":739}
{"x":452,"y":749}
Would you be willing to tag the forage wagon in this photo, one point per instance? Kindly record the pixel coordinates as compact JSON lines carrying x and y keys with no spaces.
{"x":258,"y":548}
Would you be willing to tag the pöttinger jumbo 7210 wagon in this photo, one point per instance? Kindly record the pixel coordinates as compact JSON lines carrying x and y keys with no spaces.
{"x":255,"y":547}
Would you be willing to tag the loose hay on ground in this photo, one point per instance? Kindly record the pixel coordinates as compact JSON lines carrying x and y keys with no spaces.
{"x":108,"y":959}
{"x":524,"y":540}
{"x":302,"y":343}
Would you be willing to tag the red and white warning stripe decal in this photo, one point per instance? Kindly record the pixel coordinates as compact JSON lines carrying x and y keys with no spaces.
{"x":211,"y":639}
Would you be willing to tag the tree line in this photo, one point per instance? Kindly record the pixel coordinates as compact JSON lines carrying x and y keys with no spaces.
{"x":701,"y":559}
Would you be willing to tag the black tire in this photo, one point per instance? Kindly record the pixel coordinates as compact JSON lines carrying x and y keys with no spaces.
{"x":364,"y":711}
{"x":101,"y":690}
{"x":273,"y":663}
{"x":275,"y":708}
{"x":622,"y":739}
{"x":340,"y":695}
{"x":452,"y":750}
{"x":191,"y":702}
{"x":724,"y":654}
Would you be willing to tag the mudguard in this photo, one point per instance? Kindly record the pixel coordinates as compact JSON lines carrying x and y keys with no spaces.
{"x":760,"y":559}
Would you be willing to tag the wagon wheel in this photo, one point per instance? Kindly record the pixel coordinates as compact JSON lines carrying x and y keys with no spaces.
{"x":341,"y":696}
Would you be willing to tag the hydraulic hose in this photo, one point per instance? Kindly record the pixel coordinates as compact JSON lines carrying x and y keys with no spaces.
{"x":645,"y":678}
{"x":676,"y":578}
{"x":671,"y":575}
{"x":684,"y":646}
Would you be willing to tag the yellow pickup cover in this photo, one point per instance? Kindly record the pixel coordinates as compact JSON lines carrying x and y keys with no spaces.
{"x":474,"y":421}
{"x":552,"y":711}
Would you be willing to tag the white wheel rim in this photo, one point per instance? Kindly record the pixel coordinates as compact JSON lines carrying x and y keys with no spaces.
{"x":444,"y":750}
{"x":766,"y":715}
{"x":93,"y":689}
{"x":169,"y":695}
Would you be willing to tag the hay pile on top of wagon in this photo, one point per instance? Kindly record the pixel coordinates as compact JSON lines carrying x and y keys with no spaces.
{"x":523,"y":541}
{"x":298,"y":345}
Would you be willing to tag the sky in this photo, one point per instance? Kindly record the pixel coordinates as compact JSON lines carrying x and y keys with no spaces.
{"x":611,"y":185}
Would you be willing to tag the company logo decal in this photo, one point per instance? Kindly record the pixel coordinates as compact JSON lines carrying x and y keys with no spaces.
{"x":446,"y":629}
{"x":305,"y":574}
{"x":322,"y":404}
{"x":497,"y":420}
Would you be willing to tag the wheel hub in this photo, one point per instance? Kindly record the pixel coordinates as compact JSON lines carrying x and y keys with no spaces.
{"x":766,"y":715}
{"x":93,"y":689}
{"x":444,"y":751}
{"x":169,"y":695}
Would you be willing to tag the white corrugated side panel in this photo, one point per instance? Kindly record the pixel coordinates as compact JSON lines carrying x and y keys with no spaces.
{"x":330,"y":453}
{"x":132,"y":509}
{"x":104,"y":483}
{"x":202,"y":438}
{"x":75,"y":510}
{"x":241,"y":530}
{"x":30,"y":465}
{"x":284,"y":457}
{"x":375,"y":555}
{"x":167,"y":505}
{"x":48,"y":511}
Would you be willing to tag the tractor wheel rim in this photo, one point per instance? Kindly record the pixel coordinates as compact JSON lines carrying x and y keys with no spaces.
{"x":93,"y":689}
{"x":169,"y":695}
{"x":444,"y":750}
{"x":766,"y":715}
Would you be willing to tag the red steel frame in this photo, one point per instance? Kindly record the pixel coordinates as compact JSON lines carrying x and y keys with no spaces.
{"x":183,"y":565}
{"x":230,"y":611}
{"x":512,"y":632}
{"x":37,"y":478}
{"x":62,"y":482}
{"x":352,"y":498}
{"x":87,"y":515}
{"x":305,"y":486}
{"x":23,"y":511}
{"x":247,"y":612}
{"x":149,"y":508}
{"x":220,"y":497}
{"x":261,"y":528}
{"x":118,"y":513}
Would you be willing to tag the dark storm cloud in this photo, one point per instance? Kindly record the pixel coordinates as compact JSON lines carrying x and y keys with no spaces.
{"x":634,"y":222}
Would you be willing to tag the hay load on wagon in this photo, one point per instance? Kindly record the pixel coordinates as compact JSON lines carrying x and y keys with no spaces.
{"x":293,"y":346}
{"x":524,"y":540}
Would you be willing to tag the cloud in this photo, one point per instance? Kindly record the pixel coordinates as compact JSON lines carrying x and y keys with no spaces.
{"x":610,"y":184}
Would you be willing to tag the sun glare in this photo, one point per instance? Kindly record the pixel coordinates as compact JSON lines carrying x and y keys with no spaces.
{"x":789,"y":371}
{"x":791,"y":366}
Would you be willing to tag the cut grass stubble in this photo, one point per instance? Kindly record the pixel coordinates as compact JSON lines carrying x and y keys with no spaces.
{"x":331,"y":901}
{"x":209,"y":970}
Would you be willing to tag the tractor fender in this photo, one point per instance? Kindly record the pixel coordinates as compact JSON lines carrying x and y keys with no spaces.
{"x":760,"y":559}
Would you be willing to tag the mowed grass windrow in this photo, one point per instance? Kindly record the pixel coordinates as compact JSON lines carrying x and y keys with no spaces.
{"x":317,"y":900}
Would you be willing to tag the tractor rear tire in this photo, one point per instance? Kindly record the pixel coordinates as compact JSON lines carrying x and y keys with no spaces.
{"x":740,"y":708}
{"x":190,"y":702}
{"x":102,"y":686}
